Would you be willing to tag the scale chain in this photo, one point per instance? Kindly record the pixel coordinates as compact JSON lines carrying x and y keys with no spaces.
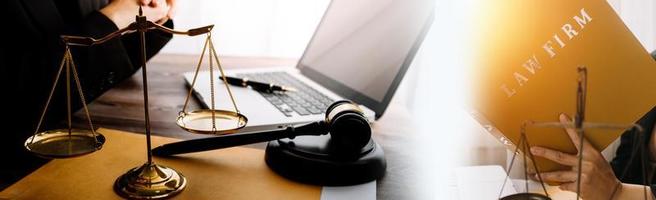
{"x":209,"y":36}
{"x":512,"y":162}
{"x":52,"y":91}
{"x":193,"y":82}
{"x":232,"y":98}
{"x":68,"y":95}
{"x":82,"y":99}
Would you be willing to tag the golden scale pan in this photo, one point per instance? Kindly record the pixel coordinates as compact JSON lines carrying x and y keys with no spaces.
{"x":65,"y":143}
{"x":150,"y":180}
{"x":211,"y":121}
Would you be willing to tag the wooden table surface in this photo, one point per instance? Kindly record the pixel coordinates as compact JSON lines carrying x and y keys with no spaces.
{"x":122,"y":108}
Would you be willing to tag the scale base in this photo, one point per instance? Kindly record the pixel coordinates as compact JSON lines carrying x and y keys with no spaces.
{"x":150,"y":181}
{"x":314,"y":160}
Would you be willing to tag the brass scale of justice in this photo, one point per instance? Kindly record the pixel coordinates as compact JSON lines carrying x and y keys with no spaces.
{"x":579,"y":126}
{"x":150,"y":180}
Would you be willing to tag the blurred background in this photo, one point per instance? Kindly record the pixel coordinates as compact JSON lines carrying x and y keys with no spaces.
{"x":434,"y":89}
{"x":282,"y":28}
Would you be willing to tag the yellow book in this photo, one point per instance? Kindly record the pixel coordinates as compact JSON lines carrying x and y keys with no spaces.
{"x":527,"y":55}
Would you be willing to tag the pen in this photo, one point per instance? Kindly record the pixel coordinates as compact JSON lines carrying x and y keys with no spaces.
{"x":259,"y":86}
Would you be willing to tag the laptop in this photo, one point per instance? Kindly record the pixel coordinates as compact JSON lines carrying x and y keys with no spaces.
{"x":360,"y":51}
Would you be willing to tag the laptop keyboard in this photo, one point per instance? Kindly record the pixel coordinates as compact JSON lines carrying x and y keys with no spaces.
{"x":304,"y":101}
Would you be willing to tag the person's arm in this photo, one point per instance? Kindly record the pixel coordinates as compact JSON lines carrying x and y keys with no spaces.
{"x":104,"y":65}
{"x":629,"y":170}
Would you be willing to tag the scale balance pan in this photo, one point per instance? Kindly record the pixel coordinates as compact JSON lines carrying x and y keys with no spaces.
{"x":526,"y":196}
{"x":200,"y":121}
{"x":58,"y":143}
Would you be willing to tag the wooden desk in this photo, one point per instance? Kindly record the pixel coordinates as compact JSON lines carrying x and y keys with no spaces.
{"x":122,"y":108}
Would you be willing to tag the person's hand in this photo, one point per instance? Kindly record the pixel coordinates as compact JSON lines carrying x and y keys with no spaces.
{"x":123,"y":12}
{"x":169,"y":5}
{"x":169,"y":14}
{"x":597,"y":177}
{"x":172,"y":8}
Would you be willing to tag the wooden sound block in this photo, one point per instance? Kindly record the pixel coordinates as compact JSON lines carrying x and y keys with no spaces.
{"x":314,"y":160}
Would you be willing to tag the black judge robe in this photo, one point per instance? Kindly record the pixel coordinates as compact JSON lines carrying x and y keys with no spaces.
{"x":629,"y":170}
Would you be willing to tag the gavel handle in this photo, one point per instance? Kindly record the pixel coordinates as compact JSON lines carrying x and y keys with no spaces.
{"x":212,"y":143}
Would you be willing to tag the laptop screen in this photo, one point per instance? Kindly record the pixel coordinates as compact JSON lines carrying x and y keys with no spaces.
{"x":361,"y":49}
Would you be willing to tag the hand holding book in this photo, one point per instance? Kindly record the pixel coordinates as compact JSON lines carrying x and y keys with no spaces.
{"x":597,"y":177}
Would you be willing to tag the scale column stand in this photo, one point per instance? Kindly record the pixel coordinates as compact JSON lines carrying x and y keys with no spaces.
{"x":149,"y":181}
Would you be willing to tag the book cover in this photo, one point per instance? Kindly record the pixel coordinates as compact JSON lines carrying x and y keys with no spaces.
{"x":527,"y":57}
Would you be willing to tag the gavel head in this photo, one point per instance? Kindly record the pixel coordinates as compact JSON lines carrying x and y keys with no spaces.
{"x":348,"y":127}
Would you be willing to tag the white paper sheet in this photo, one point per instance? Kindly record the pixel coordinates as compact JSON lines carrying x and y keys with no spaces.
{"x":366,"y":191}
{"x":482,"y":182}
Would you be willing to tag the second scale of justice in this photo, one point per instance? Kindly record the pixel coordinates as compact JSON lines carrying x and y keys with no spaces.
{"x":150,"y":180}
{"x":580,"y":126}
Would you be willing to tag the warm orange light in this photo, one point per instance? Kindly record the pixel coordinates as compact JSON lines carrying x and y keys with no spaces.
{"x":527,"y":55}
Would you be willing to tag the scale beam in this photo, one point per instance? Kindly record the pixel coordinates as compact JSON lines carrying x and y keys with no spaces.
{"x":133,"y":27}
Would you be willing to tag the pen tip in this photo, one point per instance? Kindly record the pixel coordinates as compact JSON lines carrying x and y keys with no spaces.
{"x":289,"y":89}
